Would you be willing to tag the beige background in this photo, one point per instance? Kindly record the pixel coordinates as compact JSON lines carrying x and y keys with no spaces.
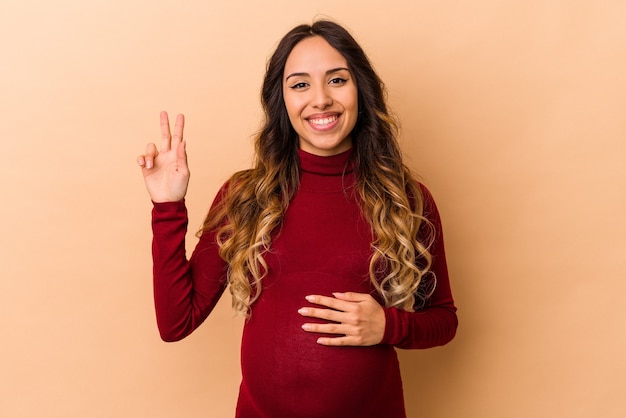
{"x":514,"y":113}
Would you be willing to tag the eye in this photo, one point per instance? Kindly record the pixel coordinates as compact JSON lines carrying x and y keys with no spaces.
{"x":299,"y":86}
{"x":337,"y":81}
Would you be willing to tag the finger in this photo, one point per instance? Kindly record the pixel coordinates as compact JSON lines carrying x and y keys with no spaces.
{"x":150,"y":155}
{"x":179,"y":126}
{"x":338,"y":341}
{"x":329,"y":302}
{"x":166,"y":136}
{"x":337,"y":329}
{"x":352,"y":296}
{"x":181,"y":157}
{"x":327,"y":314}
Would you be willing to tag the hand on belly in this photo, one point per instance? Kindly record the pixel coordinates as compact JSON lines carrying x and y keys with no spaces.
{"x":355,"y":319}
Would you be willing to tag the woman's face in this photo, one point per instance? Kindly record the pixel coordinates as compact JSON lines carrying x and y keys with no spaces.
{"x":321,"y":97}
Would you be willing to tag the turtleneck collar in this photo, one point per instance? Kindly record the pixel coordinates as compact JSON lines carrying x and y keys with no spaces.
{"x":333,"y":165}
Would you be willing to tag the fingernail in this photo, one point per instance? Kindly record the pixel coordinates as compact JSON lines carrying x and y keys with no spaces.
{"x":148,"y":164}
{"x":306,"y":327}
{"x":310,"y":298}
{"x":303,"y":311}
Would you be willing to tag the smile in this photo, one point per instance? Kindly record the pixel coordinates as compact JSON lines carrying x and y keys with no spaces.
{"x":323,"y":121}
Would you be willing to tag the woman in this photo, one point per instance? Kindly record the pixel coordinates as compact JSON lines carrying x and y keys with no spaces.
{"x":328,"y":245}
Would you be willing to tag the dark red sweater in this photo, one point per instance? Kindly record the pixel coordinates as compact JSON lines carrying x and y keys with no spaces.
{"x":322,"y":247}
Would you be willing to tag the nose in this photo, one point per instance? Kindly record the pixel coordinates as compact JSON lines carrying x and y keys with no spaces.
{"x":321,"y":97}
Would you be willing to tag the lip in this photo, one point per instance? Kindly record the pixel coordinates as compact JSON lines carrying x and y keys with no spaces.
{"x":323,"y":121}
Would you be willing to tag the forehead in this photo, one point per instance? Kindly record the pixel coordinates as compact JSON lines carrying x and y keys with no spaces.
{"x":314,"y":53}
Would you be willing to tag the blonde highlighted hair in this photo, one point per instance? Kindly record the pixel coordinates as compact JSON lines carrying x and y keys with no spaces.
{"x":255,"y":200}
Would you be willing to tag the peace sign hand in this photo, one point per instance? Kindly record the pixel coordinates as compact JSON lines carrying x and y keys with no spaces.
{"x":165,"y":171}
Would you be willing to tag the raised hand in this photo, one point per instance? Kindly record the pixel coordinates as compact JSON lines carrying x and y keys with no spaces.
{"x":165,"y":171}
{"x":356,"y":318}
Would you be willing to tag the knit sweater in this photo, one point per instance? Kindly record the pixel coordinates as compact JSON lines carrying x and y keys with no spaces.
{"x":323,"y":246}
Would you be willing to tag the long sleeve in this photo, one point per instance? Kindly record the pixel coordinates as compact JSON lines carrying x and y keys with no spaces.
{"x":436,"y":323}
{"x":185,"y":291}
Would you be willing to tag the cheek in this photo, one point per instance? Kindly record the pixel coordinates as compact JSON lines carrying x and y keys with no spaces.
{"x":293,"y":113}
{"x":293,"y":116}
{"x":292,"y":105}
{"x":352,"y":102}
{"x":355,"y":99}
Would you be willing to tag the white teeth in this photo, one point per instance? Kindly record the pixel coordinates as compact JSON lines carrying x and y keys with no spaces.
{"x":323,"y":121}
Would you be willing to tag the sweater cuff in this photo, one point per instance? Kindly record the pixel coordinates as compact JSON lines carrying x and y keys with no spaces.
{"x":165,"y":206}
{"x":395,"y":330}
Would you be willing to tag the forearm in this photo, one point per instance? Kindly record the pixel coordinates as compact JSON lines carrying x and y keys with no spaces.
{"x":185,"y":291}
{"x":427,"y":328}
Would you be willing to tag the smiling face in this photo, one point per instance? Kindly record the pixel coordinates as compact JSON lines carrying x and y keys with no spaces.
{"x":321,"y":97}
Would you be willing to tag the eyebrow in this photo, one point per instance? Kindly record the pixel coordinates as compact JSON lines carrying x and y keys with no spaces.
{"x":334,"y":70}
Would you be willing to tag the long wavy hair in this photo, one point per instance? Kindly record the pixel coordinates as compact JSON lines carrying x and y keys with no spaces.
{"x":254,"y":201}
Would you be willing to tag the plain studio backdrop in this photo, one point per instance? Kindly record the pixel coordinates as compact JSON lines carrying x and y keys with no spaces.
{"x":513,"y":112}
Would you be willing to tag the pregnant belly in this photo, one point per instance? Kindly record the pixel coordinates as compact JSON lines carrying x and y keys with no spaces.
{"x":286,"y":373}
